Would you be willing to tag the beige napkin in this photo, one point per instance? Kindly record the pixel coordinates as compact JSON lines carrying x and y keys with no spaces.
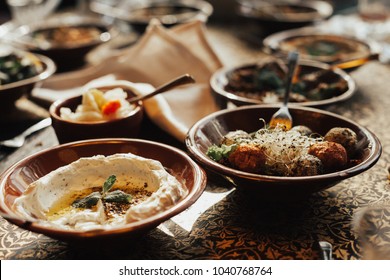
{"x":159,"y":56}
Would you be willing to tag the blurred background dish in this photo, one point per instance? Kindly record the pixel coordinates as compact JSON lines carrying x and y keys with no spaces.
{"x":28,"y":11}
{"x":139,"y":13}
{"x":73,"y":130}
{"x":316,"y":84}
{"x":211,"y":130}
{"x":321,"y":45}
{"x":66,"y":37}
{"x":20,"y":71}
{"x":267,"y":16}
{"x":17,"y":178}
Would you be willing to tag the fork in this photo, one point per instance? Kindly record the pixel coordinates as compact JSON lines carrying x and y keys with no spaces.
{"x":282,"y":116}
{"x":19,"y":140}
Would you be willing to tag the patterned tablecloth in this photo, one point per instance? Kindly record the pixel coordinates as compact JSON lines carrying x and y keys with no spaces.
{"x":225,"y":224}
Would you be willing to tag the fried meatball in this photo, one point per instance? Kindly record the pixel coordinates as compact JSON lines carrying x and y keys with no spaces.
{"x":332,"y":155}
{"x":307,"y":165}
{"x":248,"y":158}
{"x":303,"y":130}
{"x":233,"y":136}
{"x":343,"y":136}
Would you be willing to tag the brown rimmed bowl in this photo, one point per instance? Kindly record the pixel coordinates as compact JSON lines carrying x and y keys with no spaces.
{"x":11,"y":92}
{"x":68,"y":55}
{"x":211,"y":129}
{"x":17,"y":178}
{"x":169,"y":13}
{"x":220,"y":79}
{"x":266,"y":17}
{"x":69,"y":131}
{"x":353,"y":52}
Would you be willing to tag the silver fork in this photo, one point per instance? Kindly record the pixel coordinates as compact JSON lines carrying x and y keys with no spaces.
{"x":18,"y":140}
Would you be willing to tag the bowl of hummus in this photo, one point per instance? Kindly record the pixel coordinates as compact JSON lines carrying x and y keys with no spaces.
{"x":100,"y":189}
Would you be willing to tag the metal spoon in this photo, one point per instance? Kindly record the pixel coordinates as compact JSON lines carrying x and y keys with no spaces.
{"x":282,"y":116}
{"x":185,"y":79}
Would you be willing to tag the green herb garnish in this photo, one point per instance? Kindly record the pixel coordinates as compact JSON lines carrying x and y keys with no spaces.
{"x":216,"y":153}
{"x":108,"y":184}
{"x":87,"y":202}
{"x":116,"y":196}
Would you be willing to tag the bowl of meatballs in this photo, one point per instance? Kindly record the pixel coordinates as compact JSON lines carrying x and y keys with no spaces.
{"x":319,"y":151}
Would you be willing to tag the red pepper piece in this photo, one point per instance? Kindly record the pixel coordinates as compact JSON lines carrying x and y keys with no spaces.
{"x":111,"y":107}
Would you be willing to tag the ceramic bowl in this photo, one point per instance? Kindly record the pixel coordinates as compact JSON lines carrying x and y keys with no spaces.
{"x":268,"y":17}
{"x":69,"y":131}
{"x":66,"y":38}
{"x":11,"y":92}
{"x":210,"y":130}
{"x":169,"y":13}
{"x":223,"y":96}
{"x":17,"y":178}
{"x":318,"y":43}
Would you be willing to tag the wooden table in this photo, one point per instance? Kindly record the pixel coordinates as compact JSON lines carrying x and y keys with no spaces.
{"x":222,"y":224}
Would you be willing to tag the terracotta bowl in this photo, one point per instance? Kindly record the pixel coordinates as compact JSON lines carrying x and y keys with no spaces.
{"x":266,"y":17}
{"x":16,"y":179}
{"x":220,"y":79}
{"x":11,"y":92}
{"x":352,"y":52}
{"x":68,"y":55}
{"x":69,"y":131}
{"x":169,"y":13}
{"x":211,"y":129}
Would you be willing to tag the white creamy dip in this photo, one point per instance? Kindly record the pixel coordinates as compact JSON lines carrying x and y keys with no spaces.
{"x":131,"y":171}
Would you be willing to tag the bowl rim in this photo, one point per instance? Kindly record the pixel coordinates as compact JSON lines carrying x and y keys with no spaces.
{"x":49,"y":69}
{"x":139,"y":107}
{"x":324,"y":10}
{"x":220,"y":73}
{"x":272,"y":41}
{"x":202,"y":7}
{"x":373,"y":157}
{"x":22,"y":33}
{"x":200,"y":182}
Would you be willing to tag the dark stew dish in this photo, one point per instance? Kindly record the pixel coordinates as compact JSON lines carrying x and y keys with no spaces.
{"x":15,"y":66}
{"x":295,"y":152}
{"x":266,"y":82}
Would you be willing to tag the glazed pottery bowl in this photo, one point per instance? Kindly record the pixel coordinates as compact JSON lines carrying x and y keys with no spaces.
{"x":267,"y":17}
{"x":211,"y":129}
{"x":10,"y":92}
{"x":169,"y":13}
{"x":68,"y":131}
{"x":332,"y":77}
{"x":15,"y":180}
{"x":66,"y":38}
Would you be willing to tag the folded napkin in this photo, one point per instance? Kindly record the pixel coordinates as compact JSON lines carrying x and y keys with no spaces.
{"x":159,"y":56}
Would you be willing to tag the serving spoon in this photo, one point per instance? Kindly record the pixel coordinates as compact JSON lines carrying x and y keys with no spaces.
{"x":181,"y":80}
{"x":283,"y":116}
